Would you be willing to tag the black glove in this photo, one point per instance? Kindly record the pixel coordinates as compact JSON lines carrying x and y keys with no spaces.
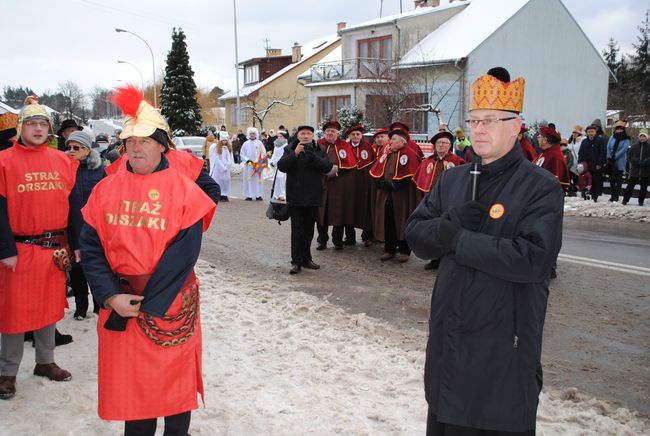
{"x":115,"y":322}
{"x":471,"y":215}
{"x":449,"y":230}
{"x":384,"y":185}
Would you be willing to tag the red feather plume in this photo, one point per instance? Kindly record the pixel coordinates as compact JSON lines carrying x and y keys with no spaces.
{"x":128,"y":99}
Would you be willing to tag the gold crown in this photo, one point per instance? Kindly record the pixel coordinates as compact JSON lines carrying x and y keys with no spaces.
{"x":488,"y":92}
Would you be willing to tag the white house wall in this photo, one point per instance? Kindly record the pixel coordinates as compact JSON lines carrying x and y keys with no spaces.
{"x":566,"y":80}
{"x":313,"y":93}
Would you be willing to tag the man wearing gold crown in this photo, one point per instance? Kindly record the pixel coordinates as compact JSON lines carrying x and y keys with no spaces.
{"x":140,"y":241}
{"x":483,"y":373}
{"x":38,"y":223}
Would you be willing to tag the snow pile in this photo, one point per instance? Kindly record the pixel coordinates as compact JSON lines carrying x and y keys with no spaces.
{"x":236,"y":169}
{"x":277,"y":361}
{"x":576,"y":206}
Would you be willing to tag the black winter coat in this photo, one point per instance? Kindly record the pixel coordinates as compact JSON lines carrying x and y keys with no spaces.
{"x":489,"y":300}
{"x":594,"y":152}
{"x":304,"y":174}
{"x":638,"y":156}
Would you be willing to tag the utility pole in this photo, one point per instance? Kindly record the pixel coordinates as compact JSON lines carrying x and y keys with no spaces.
{"x":234,"y":6}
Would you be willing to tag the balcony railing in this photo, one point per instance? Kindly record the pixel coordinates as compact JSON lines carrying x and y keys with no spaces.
{"x":351,"y":69}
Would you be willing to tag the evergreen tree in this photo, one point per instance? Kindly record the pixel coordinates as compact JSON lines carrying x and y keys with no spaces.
{"x":351,"y":116}
{"x":178,"y":95}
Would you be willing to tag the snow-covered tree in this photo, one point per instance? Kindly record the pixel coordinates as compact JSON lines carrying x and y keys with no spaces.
{"x":351,"y":116}
{"x":178,"y":95}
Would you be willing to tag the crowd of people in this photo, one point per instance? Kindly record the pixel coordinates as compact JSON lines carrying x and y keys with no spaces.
{"x":486,"y":209}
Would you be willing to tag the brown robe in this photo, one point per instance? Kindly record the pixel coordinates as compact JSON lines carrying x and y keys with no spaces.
{"x":363,"y":193}
{"x":405,"y":200}
{"x":338,"y":193}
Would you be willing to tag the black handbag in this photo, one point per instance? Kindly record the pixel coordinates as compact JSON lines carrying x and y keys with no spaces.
{"x":278,"y":209}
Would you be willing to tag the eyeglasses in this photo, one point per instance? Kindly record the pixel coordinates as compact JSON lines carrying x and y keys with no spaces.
{"x":488,"y":123}
{"x":35,"y":123}
{"x":74,"y":147}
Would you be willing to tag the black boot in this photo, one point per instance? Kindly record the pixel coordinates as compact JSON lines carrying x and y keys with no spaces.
{"x":61,"y":339}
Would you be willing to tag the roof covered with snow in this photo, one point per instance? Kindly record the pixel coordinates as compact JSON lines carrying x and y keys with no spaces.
{"x":307,"y":50}
{"x":404,"y":16}
{"x":6,"y":108}
{"x":481,"y":19}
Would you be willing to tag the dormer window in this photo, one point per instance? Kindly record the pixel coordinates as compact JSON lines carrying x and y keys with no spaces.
{"x":251,"y":74}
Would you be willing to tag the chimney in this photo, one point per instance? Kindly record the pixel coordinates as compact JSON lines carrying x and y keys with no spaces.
{"x":426,"y":3}
{"x":295,"y":53}
{"x":273,"y":52}
{"x":341,"y":25}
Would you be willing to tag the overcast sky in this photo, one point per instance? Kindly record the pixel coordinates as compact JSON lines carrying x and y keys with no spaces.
{"x":46,"y":42}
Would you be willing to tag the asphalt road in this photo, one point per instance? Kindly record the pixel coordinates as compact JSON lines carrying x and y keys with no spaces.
{"x":597,"y":329}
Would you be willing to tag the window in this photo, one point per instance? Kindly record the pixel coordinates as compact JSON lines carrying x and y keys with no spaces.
{"x":374,"y":57}
{"x":417,"y":120}
{"x":251,"y":74}
{"x":376,"y":48}
{"x":379,"y":117}
{"x":328,"y":106}
{"x":377,"y":111}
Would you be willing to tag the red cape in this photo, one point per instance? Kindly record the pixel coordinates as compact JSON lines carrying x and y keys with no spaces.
{"x":529,"y":151}
{"x":427,"y":173}
{"x":365,"y":154}
{"x":345,"y":154}
{"x":553,"y":161}
{"x":408,"y":161}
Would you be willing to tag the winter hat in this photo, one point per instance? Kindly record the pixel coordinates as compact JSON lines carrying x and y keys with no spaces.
{"x":442,"y":127}
{"x":283,"y":133}
{"x":252,"y":130}
{"x":494,"y":90}
{"x":310,"y":128}
{"x":224,"y":136}
{"x":442,"y":134}
{"x":355,"y":129}
{"x":400,"y":125}
{"x":591,"y":127}
{"x":551,"y":134}
{"x":332,"y":124}
{"x":142,"y":119}
{"x":644,"y":132}
{"x":31,"y":110}
{"x":401,"y":133}
{"x":620,"y":124}
{"x":67,"y":124}
{"x":381,"y":132}
{"x":272,"y":132}
{"x":577,"y":129}
{"x":81,"y":137}
{"x":581,"y":167}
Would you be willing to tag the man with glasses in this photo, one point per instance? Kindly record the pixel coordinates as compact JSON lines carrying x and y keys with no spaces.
{"x":483,"y":373}
{"x":39,"y":216}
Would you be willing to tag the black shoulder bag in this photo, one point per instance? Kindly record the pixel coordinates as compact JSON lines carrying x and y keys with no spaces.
{"x":278,"y":209}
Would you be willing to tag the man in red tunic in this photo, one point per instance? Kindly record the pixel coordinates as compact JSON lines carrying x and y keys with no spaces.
{"x":365,"y":154}
{"x":551,"y":157}
{"x":396,"y":195}
{"x":37,"y":214}
{"x":338,"y":194}
{"x":526,"y":146}
{"x":140,"y":241}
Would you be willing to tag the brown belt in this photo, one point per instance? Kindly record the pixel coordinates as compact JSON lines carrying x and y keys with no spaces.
{"x":51,"y":239}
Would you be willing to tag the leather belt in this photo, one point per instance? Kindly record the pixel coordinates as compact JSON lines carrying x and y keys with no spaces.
{"x":48,"y":239}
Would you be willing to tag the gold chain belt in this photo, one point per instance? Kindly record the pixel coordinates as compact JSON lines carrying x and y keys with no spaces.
{"x":180,"y":335}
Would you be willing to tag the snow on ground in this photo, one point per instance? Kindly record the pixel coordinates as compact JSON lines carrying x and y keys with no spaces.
{"x":280,"y":362}
{"x":576,"y":206}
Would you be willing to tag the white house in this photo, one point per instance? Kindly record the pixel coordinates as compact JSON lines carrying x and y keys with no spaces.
{"x":4,"y":108}
{"x":438,"y":51}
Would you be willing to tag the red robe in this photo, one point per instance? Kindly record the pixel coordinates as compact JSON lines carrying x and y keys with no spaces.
{"x":136,"y":217}
{"x":188,"y":164}
{"x":529,"y":151}
{"x":36,"y":181}
{"x":427,"y":173}
{"x":553,"y":161}
{"x":406,"y":163}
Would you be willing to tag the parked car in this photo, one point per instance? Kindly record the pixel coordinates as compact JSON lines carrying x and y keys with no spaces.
{"x":190,"y":144}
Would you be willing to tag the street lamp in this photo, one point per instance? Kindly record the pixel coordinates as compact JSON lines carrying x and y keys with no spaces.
{"x":153,"y":62}
{"x":137,"y":69}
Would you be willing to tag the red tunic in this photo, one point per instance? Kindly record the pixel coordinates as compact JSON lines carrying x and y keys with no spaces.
{"x":430,"y":168}
{"x":406,"y":163}
{"x":553,"y":161}
{"x":36,"y":181}
{"x":345,"y":155}
{"x":529,"y":151}
{"x":188,"y":164}
{"x":136,"y":217}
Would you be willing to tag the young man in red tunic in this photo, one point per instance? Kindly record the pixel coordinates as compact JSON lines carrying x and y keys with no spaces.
{"x":37,"y":214}
{"x":365,"y":154}
{"x":140,"y":241}
{"x":551,"y":157}
{"x":396,"y":195}
{"x":338,"y":193}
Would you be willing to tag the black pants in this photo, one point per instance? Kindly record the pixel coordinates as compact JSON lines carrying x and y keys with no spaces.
{"x":643,"y":190}
{"x":302,"y":233}
{"x":391,"y":244}
{"x":435,"y":428}
{"x":175,"y":425}
{"x":80,"y":289}
{"x":615,"y":181}
{"x":596,"y":183}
